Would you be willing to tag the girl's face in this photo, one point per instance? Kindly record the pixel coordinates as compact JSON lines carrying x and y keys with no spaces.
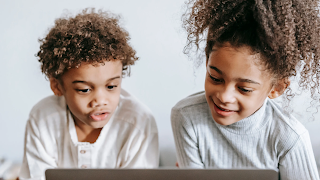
{"x":235,"y":86}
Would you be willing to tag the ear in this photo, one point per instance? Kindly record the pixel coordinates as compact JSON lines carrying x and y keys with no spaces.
{"x":279,"y":88}
{"x":56,"y":87}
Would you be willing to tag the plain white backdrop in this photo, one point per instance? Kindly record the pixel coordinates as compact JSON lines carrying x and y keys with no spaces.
{"x":161,"y":77}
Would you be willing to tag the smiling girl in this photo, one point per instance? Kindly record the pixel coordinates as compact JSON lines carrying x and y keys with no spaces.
{"x":252,"y":49}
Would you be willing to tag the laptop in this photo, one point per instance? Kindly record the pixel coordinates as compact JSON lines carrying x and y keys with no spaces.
{"x":161,"y":174}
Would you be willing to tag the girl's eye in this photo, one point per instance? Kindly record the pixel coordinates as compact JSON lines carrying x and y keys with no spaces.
{"x":245,"y":90}
{"x":83,"y":90}
{"x":111,"y":87}
{"x":215,"y":79}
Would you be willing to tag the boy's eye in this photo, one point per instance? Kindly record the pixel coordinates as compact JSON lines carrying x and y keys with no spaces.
{"x":111,"y":87}
{"x":83,"y":90}
{"x":215,"y":79}
{"x":245,"y":90}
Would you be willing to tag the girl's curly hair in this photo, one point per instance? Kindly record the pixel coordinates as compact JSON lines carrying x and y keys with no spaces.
{"x":285,"y":32}
{"x":91,"y":37}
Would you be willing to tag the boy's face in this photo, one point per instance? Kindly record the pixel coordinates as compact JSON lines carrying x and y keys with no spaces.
{"x":92,"y":92}
{"x":235,"y":86}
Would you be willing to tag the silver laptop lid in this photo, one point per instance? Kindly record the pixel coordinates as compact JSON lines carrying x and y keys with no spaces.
{"x":161,"y":174}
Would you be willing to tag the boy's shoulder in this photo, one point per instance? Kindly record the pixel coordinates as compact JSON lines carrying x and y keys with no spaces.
{"x":48,"y":107}
{"x":131,"y":110}
{"x":192,"y":100}
{"x":131,"y":104}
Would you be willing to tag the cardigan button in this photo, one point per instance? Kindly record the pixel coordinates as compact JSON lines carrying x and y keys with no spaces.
{"x":83,"y":151}
{"x":84,"y":166}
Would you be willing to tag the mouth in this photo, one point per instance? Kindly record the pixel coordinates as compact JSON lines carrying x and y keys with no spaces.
{"x":226,"y":110}
{"x":223,"y":112}
{"x":99,"y":116}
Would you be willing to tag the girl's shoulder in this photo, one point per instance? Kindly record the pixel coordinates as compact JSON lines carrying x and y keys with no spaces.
{"x":284,"y":119}
{"x":286,"y":132}
{"x":285,"y":129}
{"x":193,"y":108}
{"x":192,"y":100}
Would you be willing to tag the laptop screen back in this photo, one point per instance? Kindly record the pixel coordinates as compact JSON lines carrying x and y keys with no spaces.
{"x":161,"y":174}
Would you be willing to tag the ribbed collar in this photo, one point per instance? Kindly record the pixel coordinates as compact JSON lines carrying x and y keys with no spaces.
{"x":248,"y":125}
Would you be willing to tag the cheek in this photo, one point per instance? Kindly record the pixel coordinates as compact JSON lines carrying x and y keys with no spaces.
{"x":115,"y":98}
{"x":78,"y":104}
{"x":255,"y":103}
{"x":76,"y":108}
{"x":208,"y":87}
{"x":76,"y":101}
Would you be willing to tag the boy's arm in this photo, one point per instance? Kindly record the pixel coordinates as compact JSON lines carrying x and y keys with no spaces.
{"x":185,"y":138}
{"x":143,"y":147}
{"x":299,"y":162}
{"x":36,"y":159}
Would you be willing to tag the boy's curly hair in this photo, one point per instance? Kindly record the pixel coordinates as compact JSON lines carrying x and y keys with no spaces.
{"x":285,"y":32}
{"x":90,"y":37}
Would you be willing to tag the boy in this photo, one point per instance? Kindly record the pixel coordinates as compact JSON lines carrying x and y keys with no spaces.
{"x":90,"y":122}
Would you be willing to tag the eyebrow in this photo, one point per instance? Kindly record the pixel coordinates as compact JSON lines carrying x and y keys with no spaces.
{"x":238,"y":79}
{"x":216,"y":69}
{"x":248,"y":81}
{"x":85,"y":82}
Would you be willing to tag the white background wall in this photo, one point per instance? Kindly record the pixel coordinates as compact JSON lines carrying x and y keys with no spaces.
{"x":161,"y":77}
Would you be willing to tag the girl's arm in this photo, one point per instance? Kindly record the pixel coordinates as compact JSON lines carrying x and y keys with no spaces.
{"x":36,"y":158}
{"x":186,"y":141}
{"x":299,"y":162}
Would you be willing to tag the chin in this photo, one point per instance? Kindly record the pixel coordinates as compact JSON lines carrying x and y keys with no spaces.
{"x":98,"y":125}
{"x":225,"y":122}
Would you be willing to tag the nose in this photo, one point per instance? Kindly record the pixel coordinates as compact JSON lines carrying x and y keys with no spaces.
{"x":99,"y":98}
{"x":226,"y":95}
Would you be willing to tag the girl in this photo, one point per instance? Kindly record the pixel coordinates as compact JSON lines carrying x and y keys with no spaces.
{"x":252,"y":49}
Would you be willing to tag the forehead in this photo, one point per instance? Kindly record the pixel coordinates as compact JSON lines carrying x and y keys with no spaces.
{"x":94,"y":72}
{"x":237,"y":62}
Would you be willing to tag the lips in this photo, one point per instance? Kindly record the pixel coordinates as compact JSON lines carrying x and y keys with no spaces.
{"x":99,"y":115}
{"x":223,"y":112}
{"x":224,"y":109}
